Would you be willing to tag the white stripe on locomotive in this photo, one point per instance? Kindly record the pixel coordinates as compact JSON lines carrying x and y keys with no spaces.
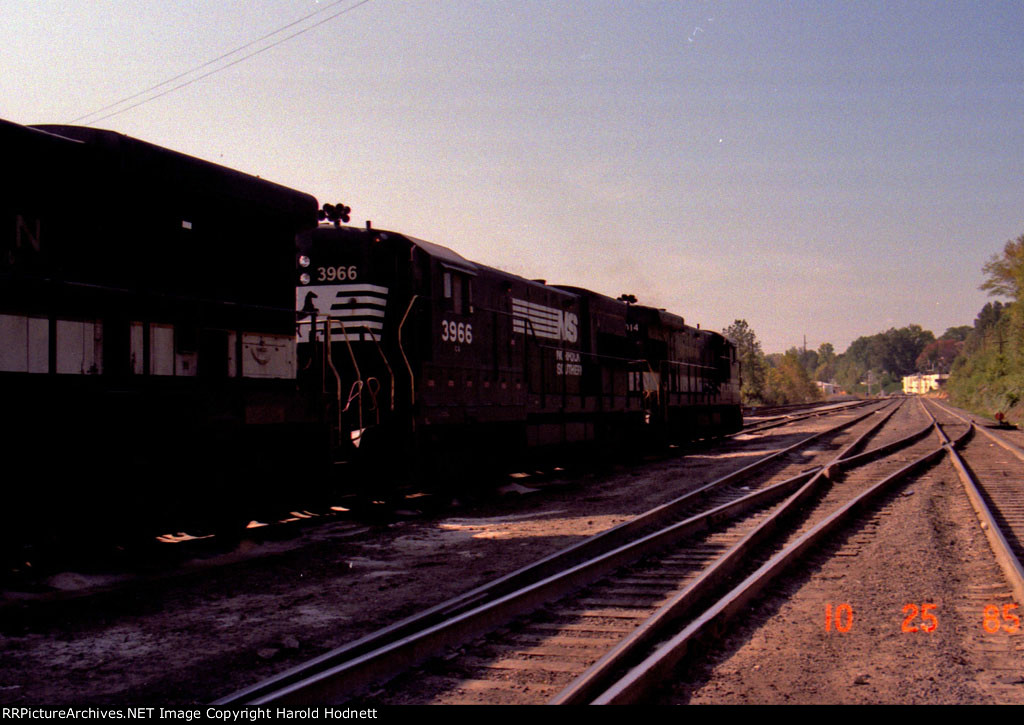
{"x":357,"y":312}
{"x":363,"y":307}
{"x":545,"y":322}
{"x":364,"y":300}
{"x":356,"y":331}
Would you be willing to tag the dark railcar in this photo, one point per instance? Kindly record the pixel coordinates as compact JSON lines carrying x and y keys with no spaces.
{"x":426,"y":360}
{"x":146,"y":327}
{"x":150,"y":306}
{"x":692,"y":377}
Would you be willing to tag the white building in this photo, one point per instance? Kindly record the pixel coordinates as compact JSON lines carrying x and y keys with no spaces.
{"x":920,"y":384}
{"x":827,"y":388}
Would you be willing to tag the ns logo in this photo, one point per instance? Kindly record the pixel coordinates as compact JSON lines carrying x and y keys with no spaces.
{"x":530,"y":318}
{"x":569,"y":326}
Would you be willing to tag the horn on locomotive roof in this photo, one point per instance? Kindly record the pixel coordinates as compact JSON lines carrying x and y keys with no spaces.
{"x":628,"y":299}
{"x":336,"y":213}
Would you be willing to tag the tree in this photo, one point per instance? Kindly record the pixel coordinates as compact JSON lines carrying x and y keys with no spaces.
{"x":826,"y":370}
{"x":988,"y":316}
{"x":938,"y":357}
{"x":957,"y":333}
{"x":1005,"y":273}
{"x":986,"y":321}
{"x":788,"y":381}
{"x":888,"y":356}
{"x":988,"y":375}
{"x":752,"y":363}
{"x":902,"y":348}
{"x":809,"y":359}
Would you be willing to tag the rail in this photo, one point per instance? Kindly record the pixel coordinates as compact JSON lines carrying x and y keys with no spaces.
{"x":396,"y":647}
{"x":641,"y":679}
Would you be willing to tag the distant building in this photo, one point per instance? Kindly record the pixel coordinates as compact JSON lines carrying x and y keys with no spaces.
{"x":827,"y":388}
{"x":920,"y":384}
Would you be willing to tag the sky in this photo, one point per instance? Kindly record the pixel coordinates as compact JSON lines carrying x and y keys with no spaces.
{"x":822,"y":169}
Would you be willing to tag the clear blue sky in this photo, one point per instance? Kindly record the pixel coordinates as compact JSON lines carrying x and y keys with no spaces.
{"x":828,"y":169}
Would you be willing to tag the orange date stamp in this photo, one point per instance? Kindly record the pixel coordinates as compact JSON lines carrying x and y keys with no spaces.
{"x":923,"y":617}
{"x":1010,"y":622}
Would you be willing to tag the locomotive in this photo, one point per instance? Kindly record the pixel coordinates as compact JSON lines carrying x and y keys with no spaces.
{"x":426,"y":359}
{"x":147,"y":361}
{"x":179,"y":337}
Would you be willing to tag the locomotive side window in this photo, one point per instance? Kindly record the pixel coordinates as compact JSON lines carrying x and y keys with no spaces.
{"x":138,"y":353}
{"x":24,"y":344}
{"x":186,"y":343}
{"x":458,"y":293}
{"x":169,"y":352}
{"x":79,"y":347}
{"x":161,"y":350}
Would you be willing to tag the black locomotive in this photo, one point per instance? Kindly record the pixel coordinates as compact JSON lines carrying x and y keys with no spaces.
{"x":178,"y":338}
{"x":429,"y":360}
{"x":147,"y":356}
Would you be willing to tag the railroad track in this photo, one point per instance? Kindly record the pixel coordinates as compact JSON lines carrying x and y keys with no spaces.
{"x":339,"y":673}
{"x":827,"y":511}
{"x":974,"y":656}
{"x":612,"y":627}
{"x":766,"y":423}
{"x":991,"y":468}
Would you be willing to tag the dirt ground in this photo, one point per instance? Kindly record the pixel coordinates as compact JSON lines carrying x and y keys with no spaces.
{"x":923,"y":556}
{"x":207,"y":627}
{"x":204,"y":628}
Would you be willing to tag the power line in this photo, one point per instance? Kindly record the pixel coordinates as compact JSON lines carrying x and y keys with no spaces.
{"x":218,"y":59}
{"x":204,"y":65}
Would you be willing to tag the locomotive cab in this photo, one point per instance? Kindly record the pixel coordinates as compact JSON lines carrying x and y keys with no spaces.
{"x":353,"y":295}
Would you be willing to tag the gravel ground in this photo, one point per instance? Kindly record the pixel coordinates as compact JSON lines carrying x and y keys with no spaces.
{"x":209,"y":627}
{"x":924,"y":547}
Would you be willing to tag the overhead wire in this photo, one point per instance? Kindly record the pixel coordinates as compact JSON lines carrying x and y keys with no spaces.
{"x":218,"y":59}
{"x":206,"y":64}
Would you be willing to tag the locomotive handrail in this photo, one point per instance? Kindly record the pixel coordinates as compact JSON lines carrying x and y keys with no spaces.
{"x":384,"y":357}
{"x":374,"y":405}
{"x":401,"y":349}
{"x":359,"y":375}
{"x":298,"y":336}
{"x":680,"y":363}
{"x":330,"y":362}
{"x":355,"y":391}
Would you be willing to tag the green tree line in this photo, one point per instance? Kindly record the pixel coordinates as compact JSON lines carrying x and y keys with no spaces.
{"x":988,"y":375}
{"x":985,"y":360}
{"x":872,"y":364}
